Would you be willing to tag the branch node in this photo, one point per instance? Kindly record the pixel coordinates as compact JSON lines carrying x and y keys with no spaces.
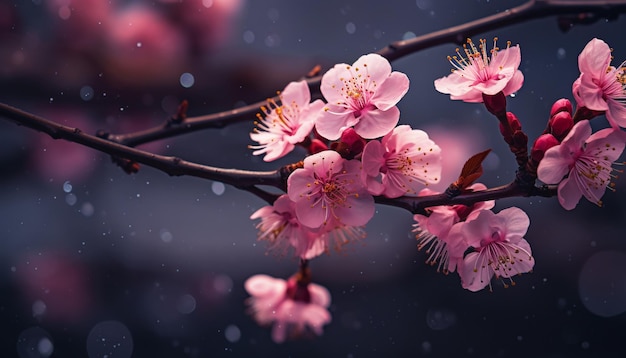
{"x":181,"y":113}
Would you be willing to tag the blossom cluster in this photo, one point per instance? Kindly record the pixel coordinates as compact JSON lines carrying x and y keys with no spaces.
{"x":357,"y":152}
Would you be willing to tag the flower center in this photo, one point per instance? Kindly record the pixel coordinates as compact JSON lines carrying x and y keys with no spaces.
{"x":474,"y":60}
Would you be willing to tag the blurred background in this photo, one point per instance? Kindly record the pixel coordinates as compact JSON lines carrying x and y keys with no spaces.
{"x":97,"y":263}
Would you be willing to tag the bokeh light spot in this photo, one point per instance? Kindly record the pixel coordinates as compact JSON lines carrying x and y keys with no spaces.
{"x":602,"y":283}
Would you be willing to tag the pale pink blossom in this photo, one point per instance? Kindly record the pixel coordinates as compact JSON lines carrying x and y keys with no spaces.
{"x":432,"y":230}
{"x":600,"y":86}
{"x":287,"y":124}
{"x":328,"y":191}
{"x":280,"y":227}
{"x":401,"y":163}
{"x":363,"y":96}
{"x":294,"y":308}
{"x":499,"y":247}
{"x":478,"y":71}
{"x":587,"y":161}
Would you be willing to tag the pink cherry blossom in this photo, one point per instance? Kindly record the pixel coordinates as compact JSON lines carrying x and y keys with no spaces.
{"x":432,"y":230}
{"x":287,"y":124}
{"x":587,"y":161}
{"x":294,"y":308}
{"x":363,"y":96}
{"x":499,"y":244}
{"x":478,"y":71}
{"x":328,"y":191}
{"x":280,"y":227}
{"x":600,"y":86}
{"x":401,"y":163}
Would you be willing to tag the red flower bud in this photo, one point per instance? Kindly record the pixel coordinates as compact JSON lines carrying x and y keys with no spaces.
{"x":543,"y":143}
{"x":317,"y":146}
{"x":561,"y":105}
{"x":496,"y":104}
{"x":352,"y":141}
{"x":515,"y":125}
{"x":560,"y":124}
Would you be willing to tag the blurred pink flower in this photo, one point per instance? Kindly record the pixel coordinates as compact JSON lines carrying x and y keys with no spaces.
{"x":432,"y":231}
{"x":600,"y":86}
{"x":282,"y":229}
{"x":287,"y":124}
{"x":401,"y":163}
{"x":363,"y":96}
{"x":500,"y":247}
{"x":143,"y":46}
{"x":586,"y":159}
{"x":328,"y":190}
{"x":482,"y":72}
{"x":294,"y":308}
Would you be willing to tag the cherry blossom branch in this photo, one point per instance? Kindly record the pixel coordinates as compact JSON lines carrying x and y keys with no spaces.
{"x":171,"y":165}
{"x":248,"y":180}
{"x":418,"y":205}
{"x":579,"y":12}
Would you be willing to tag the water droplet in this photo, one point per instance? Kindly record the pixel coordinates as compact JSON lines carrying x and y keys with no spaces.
{"x":87,"y":209}
{"x":166,"y":236}
{"x":439,"y":319}
{"x":71,"y":199}
{"x":218,"y":188}
{"x":186,"y":304}
{"x":110,"y":339}
{"x":350,"y":28}
{"x":86,"y":93}
{"x":248,"y":37}
{"x":408,"y":35}
{"x":187,"y":80}
{"x":601,"y":284}
{"x":273,"y":15}
{"x":232,"y":333}
{"x":39,"y":308}
{"x":34,"y":342}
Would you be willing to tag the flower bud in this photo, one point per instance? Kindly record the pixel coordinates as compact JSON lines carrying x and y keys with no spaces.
{"x":317,"y":146}
{"x":541,"y":145}
{"x":496,"y":104}
{"x":560,"y":124}
{"x":561,"y":105}
{"x":515,"y":125}
{"x":350,"y":144}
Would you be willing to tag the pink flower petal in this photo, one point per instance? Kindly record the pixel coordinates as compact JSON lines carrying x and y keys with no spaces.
{"x":377,"y":67}
{"x":568,"y":193}
{"x":319,"y":295}
{"x":296,"y":92}
{"x":454,"y":84}
{"x":375,"y":123}
{"x":389,"y":92}
{"x":514,"y":84}
{"x":332,"y":122}
{"x":591,"y":94}
{"x":475,"y":274}
{"x":607,"y":143}
{"x":516,"y":223}
{"x":264,"y":285}
{"x":595,"y":58}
